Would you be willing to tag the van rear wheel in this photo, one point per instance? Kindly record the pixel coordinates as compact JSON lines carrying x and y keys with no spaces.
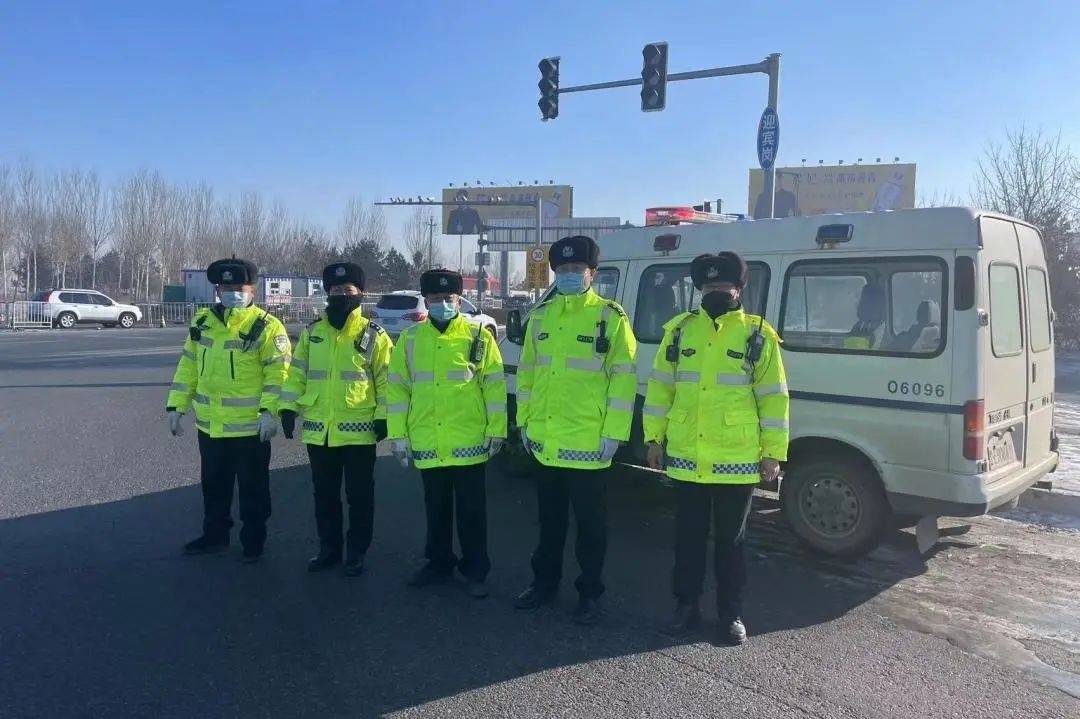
{"x":836,"y":504}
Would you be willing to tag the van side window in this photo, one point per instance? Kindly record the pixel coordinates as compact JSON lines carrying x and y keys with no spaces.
{"x":1038,"y":310}
{"x":1006,"y":332}
{"x":880,"y":306}
{"x":606,"y":282}
{"x":667,"y":290}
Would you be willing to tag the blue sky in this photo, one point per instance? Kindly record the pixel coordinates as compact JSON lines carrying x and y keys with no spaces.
{"x":313,"y":102}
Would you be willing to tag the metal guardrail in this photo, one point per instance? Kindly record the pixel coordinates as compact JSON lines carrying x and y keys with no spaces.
{"x":37,"y":315}
{"x":169,"y":313}
{"x":25,"y":314}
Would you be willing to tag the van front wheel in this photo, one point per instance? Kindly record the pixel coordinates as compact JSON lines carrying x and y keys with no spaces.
{"x":836,"y":504}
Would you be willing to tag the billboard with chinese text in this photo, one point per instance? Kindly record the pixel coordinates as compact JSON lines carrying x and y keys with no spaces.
{"x":834,"y":188}
{"x":460,"y":218}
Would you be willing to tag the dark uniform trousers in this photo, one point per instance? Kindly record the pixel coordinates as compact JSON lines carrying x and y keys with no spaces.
{"x":357,"y":464}
{"x":235,"y":460}
{"x":465,"y":487}
{"x":729,"y":505}
{"x":557,"y":489}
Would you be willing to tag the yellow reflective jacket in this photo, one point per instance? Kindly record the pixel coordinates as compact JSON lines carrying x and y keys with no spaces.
{"x":718,"y":416}
{"x":569,"y":393}
{"x":337,"y":381}
{"x":229,"y":374}
{"x":445,"y":401}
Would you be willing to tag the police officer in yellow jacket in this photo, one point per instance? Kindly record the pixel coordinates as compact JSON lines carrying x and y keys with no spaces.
{"x":231,"y":370}
{"x":576,"y":386}
{"x":447,"y":409}
{"x":337,"y":380}
{"x":717,"y":406}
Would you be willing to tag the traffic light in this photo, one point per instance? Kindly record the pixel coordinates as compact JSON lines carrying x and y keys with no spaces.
{"x":549,"y":88}
{"x":654,"y":77}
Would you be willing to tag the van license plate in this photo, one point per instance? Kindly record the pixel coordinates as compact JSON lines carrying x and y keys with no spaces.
{"x":1000,"y":450}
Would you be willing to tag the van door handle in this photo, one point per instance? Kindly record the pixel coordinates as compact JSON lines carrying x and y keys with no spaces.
{"x":1033,"y":372}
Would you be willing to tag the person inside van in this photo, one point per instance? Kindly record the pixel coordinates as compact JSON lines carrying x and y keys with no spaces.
{"x":660,"y":304}
{"x":869,"y":328}
{"x":924,"y":335}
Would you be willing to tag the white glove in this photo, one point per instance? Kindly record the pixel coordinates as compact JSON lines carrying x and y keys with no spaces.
{"x":176,"y":427}
{"x":524,"y":440}
{"x":268,"y":427}
{"x":608,"y":448}
{"x":400,"y":448}
{"x":494,"y":444}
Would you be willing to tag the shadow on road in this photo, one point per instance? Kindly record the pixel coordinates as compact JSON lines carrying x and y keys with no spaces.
{"x":102,"y":616}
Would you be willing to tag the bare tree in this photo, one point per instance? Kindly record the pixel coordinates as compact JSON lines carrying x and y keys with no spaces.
{"x":7,"y":227}
{"x":96,"y":222}
{"x":31,"y":220}
{"x":944,"y":199}
{"x":354,"y":223}
{"x":1034,"y":176}
{"x":419,"y":238}
{"x":251,"y":226}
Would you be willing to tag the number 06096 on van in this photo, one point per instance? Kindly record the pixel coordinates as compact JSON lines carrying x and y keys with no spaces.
{"x":918,"y":345}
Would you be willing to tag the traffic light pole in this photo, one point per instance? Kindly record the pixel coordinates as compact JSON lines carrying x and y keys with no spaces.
{"x":769,"y":66}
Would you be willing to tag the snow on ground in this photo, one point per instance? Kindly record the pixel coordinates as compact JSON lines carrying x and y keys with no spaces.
{"x":1067,"y":421}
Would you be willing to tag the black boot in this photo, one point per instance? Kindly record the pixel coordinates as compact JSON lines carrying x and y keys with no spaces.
{"x":533,"y":598}
{"x":732,"y":632}
{"x":326,"y":558}
{"x":430,"y":574}
{"x":207,"y":545}
{"x":687,"y":619}
{"x":354,"y":565}
{"x":587,"y":611}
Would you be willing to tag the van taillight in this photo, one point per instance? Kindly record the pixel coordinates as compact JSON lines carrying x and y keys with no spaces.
{"x":975,"y":429}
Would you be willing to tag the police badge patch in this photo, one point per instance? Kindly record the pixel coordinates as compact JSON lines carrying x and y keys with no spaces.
{"x":226,"y":276}
{"x":281,"y":342}
{"x":689,"y":352}
{"x":340,"y":272}
{"x":568,"y":251}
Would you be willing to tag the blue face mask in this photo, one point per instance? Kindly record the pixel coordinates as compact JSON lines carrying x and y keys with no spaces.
{"x":442,"y":311}
{"x":234,"y":300}
{"x":570,"y":283}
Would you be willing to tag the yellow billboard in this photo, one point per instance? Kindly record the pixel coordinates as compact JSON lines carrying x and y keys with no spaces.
{"x":834,"y":188}
{"x":461,"y":218}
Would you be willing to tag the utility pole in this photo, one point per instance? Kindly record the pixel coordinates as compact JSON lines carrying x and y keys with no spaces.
{"x":430,"y":243}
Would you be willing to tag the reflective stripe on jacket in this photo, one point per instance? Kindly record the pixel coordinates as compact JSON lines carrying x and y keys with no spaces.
{"x":227,"y":375}
{"x":445,"y":404}
{"x":717,"y":417}
{"x":569,"y":395}
{"x":337,"y":381}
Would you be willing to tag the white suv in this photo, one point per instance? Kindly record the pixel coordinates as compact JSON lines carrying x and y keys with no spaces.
{"x":67,"y":308}
{"x":396,"y":311}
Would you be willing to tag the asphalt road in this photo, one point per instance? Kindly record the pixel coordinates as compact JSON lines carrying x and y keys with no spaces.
{"x":100,"y":615}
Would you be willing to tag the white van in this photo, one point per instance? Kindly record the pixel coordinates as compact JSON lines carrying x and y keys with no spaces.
{"x":918,"y":346}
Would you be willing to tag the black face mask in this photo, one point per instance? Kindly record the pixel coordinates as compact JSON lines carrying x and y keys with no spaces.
{"x":339,"y":307}
{"x":718,"y":302}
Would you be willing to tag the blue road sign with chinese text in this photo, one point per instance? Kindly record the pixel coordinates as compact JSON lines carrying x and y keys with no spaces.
{"x":768,"y":138}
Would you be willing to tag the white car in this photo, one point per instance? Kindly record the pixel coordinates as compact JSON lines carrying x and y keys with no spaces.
{"x":69,"y":307}
{"x":396,"y":311}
